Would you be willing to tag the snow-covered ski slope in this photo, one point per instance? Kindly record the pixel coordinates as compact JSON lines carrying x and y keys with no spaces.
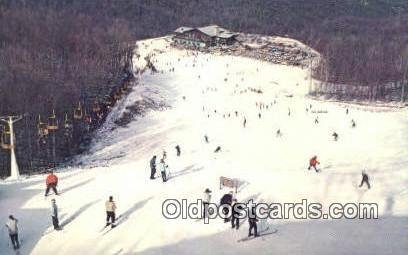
{"x":273,"y":168}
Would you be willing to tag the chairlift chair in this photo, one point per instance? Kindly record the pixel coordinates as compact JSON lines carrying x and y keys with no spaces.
{"x":52,"y":122}
{"x":42,"y":128}
{"x":78,"y":112}
{"x":5,"y":140}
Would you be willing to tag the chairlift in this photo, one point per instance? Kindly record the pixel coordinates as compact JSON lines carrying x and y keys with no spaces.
{"x":52,"y":122}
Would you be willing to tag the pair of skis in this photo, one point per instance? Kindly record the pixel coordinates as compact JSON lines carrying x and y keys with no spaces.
{"x":118,"y":220}
{"x":261,"y":234}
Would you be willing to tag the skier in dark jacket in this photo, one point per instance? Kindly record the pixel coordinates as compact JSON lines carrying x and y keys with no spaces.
{"x":236,"y":212}
{"x":218,"y":149}
{"x":252,"y":220}
{"x":335,"y":136}
{"x":365,"y":180}
{"x":153,"y":167}
{"x":11,"y":225}
{"x":226,"y":200}
{"x":178,"y":150}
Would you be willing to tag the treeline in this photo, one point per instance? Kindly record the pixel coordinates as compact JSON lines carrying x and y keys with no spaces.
{"x":51,"y":60}
{"x":363,"y":42}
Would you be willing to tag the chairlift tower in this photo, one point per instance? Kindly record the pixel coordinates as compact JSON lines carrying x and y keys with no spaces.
{"x":9,"y":120}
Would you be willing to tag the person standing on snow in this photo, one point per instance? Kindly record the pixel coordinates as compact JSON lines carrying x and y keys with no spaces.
{"x":153,"y":167}
{"x":237,"y":208}
{"x":313,"y":162}
{"x":110,"y":207}
{"x":206,"y":202}
{"x":365,"y":180}
{"x":245,"y":121}
{"x":178,"y":150}
{"x":226,"y":200}
{"x":163,"y":168}
{"x":11,"y":225}
{"x":51,"y":182}
{"x":54,"y":214}
{"x":206,"y":139}
{"x":252,"y":220}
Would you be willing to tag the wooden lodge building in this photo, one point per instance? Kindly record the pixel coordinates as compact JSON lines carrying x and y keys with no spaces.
{"x":204,"y":36}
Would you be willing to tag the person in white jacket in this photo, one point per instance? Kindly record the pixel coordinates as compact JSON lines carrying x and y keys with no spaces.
{"x":54,"y":214}
{"x":206,"y":202}
{"x":13,"y":231}
{"x":110,"y":207}
{"x":163,"y":168}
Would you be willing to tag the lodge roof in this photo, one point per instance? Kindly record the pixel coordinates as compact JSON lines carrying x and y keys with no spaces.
{"x":212,"y":31}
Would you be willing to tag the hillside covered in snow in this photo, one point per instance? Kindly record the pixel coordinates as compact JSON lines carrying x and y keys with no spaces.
{"x":196,"y":95}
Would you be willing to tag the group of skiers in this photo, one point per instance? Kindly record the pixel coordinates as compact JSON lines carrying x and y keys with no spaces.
{"x":229,"y":201}
{"x":162,"y":165}
{"x":365,"y":179}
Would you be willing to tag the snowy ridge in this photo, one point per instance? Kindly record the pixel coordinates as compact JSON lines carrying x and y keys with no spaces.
{"x":274,"y":168}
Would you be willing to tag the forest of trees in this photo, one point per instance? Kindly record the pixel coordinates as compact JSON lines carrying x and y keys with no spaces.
{"x":54,"y":54}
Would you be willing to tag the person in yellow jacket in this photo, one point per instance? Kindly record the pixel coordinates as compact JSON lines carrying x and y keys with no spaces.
{"x":110,"y":212}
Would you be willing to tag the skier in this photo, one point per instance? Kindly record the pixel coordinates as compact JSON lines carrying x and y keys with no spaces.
{"x":278,"y":133}
{"x":110,"y":212}
{"x":236,"y":209}
{"x":54,"y":214}
{"x":164,"y":154}
{"x":178,"y":150}
{"x":259,"y":115}
{"x":288,"y":111}
{"x":364,"y":180}
{"x":218,"y":149}
{"x":206,"y":139}
{"x":252,"y":220}
{"x":317,"y":120}
{"x":51,"y":182}
{"x":335,"y":136}
{"x":226,"y":200}
{"x":347,"y":111}
{"x":312,"y":163}
{"x":353,"y":124}
{"x":11,"y":225}
{"x":163,"y":168}
{"x":245,"y":121}
{"x":206,"y":202}
{"x":236,"y":113}
{"x":153,"y":167}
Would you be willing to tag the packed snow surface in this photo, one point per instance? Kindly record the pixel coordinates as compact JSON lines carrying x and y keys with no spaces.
{"x":200,"y":98}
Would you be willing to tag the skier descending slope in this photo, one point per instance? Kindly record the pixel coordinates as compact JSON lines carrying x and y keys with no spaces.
{"x":313,"y":162}
{"x":365,"y":180}
{"x":11,"y":225}
{"x":54,"y":214}
{"x":178,"y":150}
{"x":51,"y":182}
{"x":153,"y":167}
{"x":110,"y":212}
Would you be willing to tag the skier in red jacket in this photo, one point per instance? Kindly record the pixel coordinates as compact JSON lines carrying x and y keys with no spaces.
{"x":313,"y":162}
{"x":51,"y":182}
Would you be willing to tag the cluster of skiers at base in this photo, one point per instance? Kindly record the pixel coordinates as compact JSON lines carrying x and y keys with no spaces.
{"x":110,"y":206}
{"x":228,"y":199}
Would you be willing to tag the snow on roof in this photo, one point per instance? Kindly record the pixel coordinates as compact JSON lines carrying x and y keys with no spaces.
{"x":212,"y":31}
{"x":183,"y":29}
